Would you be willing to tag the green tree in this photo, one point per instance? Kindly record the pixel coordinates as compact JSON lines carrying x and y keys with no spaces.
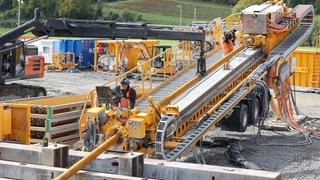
{"x":315,"y":3}
{"x":98,"y":13}
{"x":127,"y":16}
{"x":5,"y":5}
{"x":314,"y":34}
{"x":112,"y":16}
{"x":242,"y":4}
{"x":76,"y":9}
{"x":47,"y":6}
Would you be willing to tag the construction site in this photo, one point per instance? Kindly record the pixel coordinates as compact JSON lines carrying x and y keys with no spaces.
{"x":198,"y":114}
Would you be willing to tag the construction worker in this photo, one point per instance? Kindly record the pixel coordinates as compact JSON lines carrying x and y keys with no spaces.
{"x":227,"y":40}
{"x":125,"y":96}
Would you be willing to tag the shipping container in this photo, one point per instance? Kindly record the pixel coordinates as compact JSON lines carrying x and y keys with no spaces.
{"x":82,"y":48}
{"x":46,"y":47}
{"x":306,"y":64}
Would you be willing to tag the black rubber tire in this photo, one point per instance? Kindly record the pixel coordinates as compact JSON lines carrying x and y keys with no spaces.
{"x":255,"y":111}
{"x":242,"y":115}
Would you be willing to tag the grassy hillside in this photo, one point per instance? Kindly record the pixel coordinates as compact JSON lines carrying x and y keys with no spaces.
{"x":3,"y":30}
{"x":168,"y":12}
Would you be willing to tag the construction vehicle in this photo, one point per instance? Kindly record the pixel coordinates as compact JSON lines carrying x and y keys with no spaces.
{"x":20,"y":62}
{"x":233,"y":92}
{"x":116,"y":55}
{"x":13,"y":49}
{"x":61,"y":61}
{"x":127,"y":54}
{"x":236,"y":92}
{"x":162,"y":59}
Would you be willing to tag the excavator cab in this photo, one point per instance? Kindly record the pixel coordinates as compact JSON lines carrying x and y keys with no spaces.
{"x":158,"y":50}
{"x":21,"y":63}
{"x":162,"y":64}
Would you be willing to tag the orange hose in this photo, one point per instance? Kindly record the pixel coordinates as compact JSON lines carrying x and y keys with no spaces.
{"x":286,"y":105}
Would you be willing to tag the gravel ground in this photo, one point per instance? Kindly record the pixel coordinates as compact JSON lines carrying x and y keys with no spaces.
{"x":294,"y":154}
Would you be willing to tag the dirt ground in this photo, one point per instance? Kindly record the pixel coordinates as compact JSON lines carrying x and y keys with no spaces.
{"x":294,"y":154}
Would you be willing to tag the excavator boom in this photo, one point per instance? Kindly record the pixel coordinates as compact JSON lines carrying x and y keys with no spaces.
{"x":11,"y":48}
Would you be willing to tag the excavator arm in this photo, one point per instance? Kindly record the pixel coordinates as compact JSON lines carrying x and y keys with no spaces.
{"x":42,"y":26}
{"x":62,"y":27}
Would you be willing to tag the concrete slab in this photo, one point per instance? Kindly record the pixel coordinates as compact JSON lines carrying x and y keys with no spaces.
{"x":161,"y":169}
{"x":24,"y":162}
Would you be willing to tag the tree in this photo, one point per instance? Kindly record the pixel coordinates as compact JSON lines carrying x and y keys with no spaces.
{"x":5,"y":5}
{"x":112,"y":16}
{"x":47,"y":6}
{"x":314,"y":34}
{"x":76,"y":9}
{"x":315,"y":3}
{"x":98,"y":13}
{"x":127,"y":16}
{"x":242,"y":4}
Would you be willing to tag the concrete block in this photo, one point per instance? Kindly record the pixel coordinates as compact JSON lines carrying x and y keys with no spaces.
{"x":131,"y":164}
{"x":55,"y":155}
{"x":20,"y":153}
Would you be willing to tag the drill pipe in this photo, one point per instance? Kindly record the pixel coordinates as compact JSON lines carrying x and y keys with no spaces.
{"x":90,"y":157}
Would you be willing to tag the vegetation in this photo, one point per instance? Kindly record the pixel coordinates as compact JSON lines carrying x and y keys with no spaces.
{"x":3,"y":30}
{"x":242,"y":4}
{"x":150,"y":11}
{"x":122,"y":10}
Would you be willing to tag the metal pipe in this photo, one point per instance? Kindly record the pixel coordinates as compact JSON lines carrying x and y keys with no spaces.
{"x":90,"y":157}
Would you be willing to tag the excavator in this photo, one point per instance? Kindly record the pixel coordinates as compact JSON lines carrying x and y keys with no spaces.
{"x":20,"y":61}
{"x":162,"y":54}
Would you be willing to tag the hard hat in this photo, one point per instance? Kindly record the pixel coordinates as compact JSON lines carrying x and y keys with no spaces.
{"x":124,"y":81}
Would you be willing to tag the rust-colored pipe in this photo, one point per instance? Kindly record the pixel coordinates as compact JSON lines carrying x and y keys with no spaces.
{"x":90,"y":157}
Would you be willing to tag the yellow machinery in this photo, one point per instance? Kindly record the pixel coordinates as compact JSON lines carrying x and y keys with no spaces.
{"x":306,"y":67}
{"x":61,"y":61}
{"x":233,"y":94}
{"x":233,"y":97}
{"x":127,"y":54}
{"x":113,"y":55}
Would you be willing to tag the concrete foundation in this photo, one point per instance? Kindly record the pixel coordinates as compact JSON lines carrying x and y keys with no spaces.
{"x":25,"y":162}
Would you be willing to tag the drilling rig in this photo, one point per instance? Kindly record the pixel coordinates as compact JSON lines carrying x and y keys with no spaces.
{"x":237,"y":91}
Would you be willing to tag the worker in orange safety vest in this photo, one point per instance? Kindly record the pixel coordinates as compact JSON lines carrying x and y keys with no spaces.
{"x":125,"y":96}
{"x":227,"y":40}
{"x":124,"y":99}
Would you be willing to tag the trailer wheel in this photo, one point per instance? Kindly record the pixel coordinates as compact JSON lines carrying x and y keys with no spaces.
{"x":242,"y":115}
{"x":255,"y":111}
